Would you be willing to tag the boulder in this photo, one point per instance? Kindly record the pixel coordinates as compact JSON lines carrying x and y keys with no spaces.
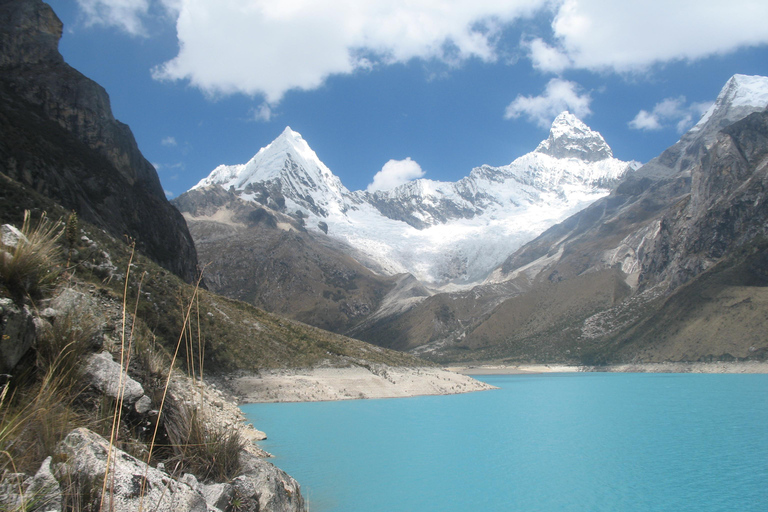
{"x":265,"y":488}
{"x":11,"y":235}
{"x":17,"y":333}
{"x":132,"y":484}
{"x":105,"y":375}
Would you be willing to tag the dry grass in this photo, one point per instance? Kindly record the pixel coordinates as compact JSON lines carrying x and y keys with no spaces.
{"x":30,"y":269}
{"x":198,"y":447}
{"x":34,"y":421}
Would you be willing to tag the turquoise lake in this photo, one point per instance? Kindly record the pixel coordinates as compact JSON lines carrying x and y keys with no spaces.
{"x":553,"y":442}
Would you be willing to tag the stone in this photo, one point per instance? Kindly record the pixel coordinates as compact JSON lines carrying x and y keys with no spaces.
{"x":44,"y":490}
{"x":17,"y":333}
{"x":143,"y":405}
{"x":219,"y":495}
{"x":11,"y":235}
{"x":12,"y":487}
{"x":133,"y":484}
{"x":103,"y":372}
{"x":264,"y":488}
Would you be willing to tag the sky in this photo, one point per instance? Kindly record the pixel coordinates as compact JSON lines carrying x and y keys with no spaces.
{"x":386,"y":91}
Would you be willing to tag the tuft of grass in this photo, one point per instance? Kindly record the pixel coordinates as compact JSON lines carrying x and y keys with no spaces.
{"x":62,"y":344}
{"x":34,"y":422}
{"x":197,"y":447}
{"x":30,"y":269}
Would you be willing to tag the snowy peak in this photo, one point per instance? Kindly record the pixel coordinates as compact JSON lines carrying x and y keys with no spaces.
{"x":571,"y":138}
{"x":741,"y":95}
{"x":288,"y":153}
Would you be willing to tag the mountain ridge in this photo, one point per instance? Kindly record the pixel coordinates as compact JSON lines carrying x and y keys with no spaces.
{"x":403,"y":229}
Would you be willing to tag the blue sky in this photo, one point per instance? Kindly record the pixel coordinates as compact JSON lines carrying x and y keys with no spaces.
{"x":448,"y":84}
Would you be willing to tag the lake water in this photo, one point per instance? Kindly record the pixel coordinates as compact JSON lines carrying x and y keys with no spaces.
{"x":554,"y":442}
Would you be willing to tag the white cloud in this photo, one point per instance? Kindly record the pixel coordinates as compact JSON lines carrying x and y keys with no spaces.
{"x":168,"y":194}
{"x":671,"y":111}
{"x":558,"y":95}
{"x":630,"y":36}
{"x":273,"y":47}
{"x":262,"y":113}
{"x":269,"y":47}
{"x":124,"y":14}
{"x":546,"y":58}
{"x":394,"y":173}
{"x":168,"y":141}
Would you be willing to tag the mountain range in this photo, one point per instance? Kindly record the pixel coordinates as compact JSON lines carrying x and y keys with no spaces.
{"x":524,"y":261}
{"x":440,"y":232}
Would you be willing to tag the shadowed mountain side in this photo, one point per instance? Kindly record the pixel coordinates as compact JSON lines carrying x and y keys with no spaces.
{"x":58,"y":135}
{"x":267,"y":259}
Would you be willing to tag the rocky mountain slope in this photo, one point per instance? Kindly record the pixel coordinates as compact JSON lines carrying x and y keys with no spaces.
{"x":59,"y":137}
{"x":669,"y":266}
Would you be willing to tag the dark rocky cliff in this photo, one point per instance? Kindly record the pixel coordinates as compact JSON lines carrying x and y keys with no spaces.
{"x":58,"y":136}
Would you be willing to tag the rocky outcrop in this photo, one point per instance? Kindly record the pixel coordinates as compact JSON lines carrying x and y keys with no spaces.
{"x":59,"y":137}
{"x":727,"y":206}
{"x":133,"y":485}
{"x":17,"y":333}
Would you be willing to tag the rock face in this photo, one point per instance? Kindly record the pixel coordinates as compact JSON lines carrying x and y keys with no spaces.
{"x":59,"y":137}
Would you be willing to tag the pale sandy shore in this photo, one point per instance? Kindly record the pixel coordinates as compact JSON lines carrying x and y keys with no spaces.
{"x":715,"y":367}
{"x":355,"y":382}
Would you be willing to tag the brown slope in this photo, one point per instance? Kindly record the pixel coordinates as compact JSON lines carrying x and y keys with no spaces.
{"x":257,"y":255}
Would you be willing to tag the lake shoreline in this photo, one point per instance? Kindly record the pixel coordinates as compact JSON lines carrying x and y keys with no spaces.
{"x":322,"y":384}
{"x":346,"y":383}
{"x":669,"y":367}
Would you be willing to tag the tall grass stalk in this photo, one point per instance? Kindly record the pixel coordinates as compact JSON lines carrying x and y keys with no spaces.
{"x":124,"y":361}
{"x":167,"y":384}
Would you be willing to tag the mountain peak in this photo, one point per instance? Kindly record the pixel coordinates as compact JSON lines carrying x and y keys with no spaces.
{"x":569,"y":137}
{"x":285,"y":152}
{"x":740,"y":95}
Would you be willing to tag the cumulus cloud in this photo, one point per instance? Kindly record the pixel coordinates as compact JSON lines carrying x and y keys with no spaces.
{"x":546,"y":58}
{"x":630,"y":36}
{"x":268,"y":47}
{"x":168,"y":141}
{"x":274,"y":47}
{"x":671,"y":111}
{"x":395,"y":173}
{"x":124,"y":14}
{"x":558,"y":95}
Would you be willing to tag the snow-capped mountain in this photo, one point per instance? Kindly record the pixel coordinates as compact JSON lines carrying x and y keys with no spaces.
{"x":740,"y":96}
{"x":441,"y":232}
